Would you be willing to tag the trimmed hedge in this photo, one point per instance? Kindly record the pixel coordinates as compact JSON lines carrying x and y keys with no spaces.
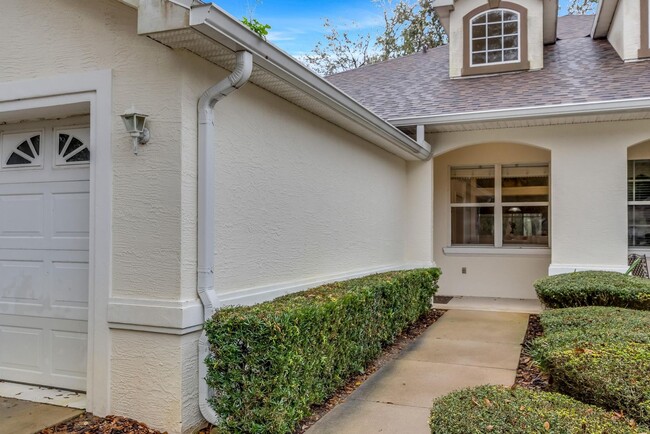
{"x":594,"y":288}
{"x":271,"y":362}
{"x":599,"y":355}
{"x":503,"y":410}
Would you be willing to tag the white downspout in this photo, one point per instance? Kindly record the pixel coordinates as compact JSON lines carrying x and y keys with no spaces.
{"x":206,"y":216}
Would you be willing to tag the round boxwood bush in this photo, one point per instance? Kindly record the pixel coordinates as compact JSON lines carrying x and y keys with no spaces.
{"x":599,"y":355}
{"x":497,"y":409}
{"x":594,"y":288}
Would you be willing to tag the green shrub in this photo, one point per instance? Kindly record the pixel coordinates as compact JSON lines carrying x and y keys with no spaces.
{"x":272,"y":361}
{"x":600,"y":355}
{"x":503,"y":410}
{"x":594,"y":288}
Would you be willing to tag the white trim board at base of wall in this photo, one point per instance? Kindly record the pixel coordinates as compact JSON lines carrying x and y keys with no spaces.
{"x":554,"y":269}
{"x":247,"y":297}
{"x":186,"y":316}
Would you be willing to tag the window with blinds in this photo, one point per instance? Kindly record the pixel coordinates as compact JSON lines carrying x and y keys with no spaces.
{"x":638,"y":200}
{"x":500,"y":205}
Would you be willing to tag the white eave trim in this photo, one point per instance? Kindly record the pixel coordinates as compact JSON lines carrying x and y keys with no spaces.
{"x":224,"y":29}
{"x":559,"y":110}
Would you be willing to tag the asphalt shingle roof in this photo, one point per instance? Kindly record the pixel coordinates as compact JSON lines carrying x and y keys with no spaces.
{"x":576,"y":69}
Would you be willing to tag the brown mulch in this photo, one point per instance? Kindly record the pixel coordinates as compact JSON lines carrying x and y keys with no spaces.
{"x":89,"y":424}
{"x":529,"y":375}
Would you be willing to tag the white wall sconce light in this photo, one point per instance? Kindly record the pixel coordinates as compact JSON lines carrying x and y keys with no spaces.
{"x":135,"y":125}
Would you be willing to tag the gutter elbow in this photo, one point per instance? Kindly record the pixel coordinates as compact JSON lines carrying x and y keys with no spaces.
{"x":234,"y":81}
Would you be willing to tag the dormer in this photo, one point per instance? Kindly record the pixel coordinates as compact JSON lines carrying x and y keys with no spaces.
{"x":489,"y":37}
{"x":626,"y":25}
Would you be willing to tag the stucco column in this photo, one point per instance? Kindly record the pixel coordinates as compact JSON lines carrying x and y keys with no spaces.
{"x":589,"y":205}
{"x":419,"y":209}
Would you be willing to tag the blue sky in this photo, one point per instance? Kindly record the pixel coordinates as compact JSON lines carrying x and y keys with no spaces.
{"x":296,"y":26}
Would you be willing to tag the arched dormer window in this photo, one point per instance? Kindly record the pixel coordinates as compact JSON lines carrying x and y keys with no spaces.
{"x":495,"y":40}
{"x":495,"y":37}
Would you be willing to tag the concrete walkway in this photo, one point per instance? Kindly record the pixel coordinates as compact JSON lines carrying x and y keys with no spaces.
{"x":24,"y":417}
{"x":462,"y":349}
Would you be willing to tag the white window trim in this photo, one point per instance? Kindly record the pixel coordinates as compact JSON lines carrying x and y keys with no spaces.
{"x":636,"y":249}
{"x":498,"y":247}
{"x":471,"y":39}
{"x":94,"y":88}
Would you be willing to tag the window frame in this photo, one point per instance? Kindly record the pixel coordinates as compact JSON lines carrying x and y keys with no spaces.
{"x":492,"y":68}
{"x":498,"y":206}
{"x":631,"y":182}
{"x":644,"y":47}
{"x":487,"y":37}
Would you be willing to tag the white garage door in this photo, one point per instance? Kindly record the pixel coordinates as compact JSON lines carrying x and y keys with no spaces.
{"x":44,"y":220}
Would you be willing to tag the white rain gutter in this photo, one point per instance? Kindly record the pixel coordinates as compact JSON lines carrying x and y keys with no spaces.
{"x":206,"y":216}
{"x":559,"y":110}
{"x":217,"y":25}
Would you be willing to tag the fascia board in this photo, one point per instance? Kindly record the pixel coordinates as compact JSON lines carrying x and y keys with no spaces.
{"x":559,"y":110}
{"x":227,"y":31}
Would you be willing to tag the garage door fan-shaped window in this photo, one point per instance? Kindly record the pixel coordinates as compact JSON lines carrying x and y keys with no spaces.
{"x":26,"y":152}
{"x":72,"y":150}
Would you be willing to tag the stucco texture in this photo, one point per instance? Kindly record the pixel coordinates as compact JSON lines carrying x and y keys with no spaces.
{"x":296,"y":197}
{"x":87,"y":36}
{"x":588,"y":203}
{"x":625,"y":31}
{"x":487,"y":275}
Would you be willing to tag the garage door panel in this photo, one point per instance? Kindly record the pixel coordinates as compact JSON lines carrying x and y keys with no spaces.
{"x":22,"y":282}
{"x":70,"y":215}
{"x":21,"y":348}
{"x":44,"y":240}
{"x":69,"y":351}
{"x":47,"y":353}
{"x":69,"y":286}
{"x":21,"y":215}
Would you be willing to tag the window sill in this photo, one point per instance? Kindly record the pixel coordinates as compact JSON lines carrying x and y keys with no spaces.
{"x":502,"y":251}
{"x":494,"y":68}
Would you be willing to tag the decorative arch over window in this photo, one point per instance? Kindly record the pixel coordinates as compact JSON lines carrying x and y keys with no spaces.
{"x":72,"y":147}
{"x":495,"y":40}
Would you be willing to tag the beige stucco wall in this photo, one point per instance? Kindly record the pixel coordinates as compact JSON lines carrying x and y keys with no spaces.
{"x":535,"y":33}
{"x":640,"y":151}
{"x":625,"y":31}
{"x":588,"y":195}
{"x":487,"y":274}
{"x":88,"y":36}
{"x":297,"y":197}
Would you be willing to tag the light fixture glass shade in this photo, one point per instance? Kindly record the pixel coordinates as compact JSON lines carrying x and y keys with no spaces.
{"x":134,"y":122}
